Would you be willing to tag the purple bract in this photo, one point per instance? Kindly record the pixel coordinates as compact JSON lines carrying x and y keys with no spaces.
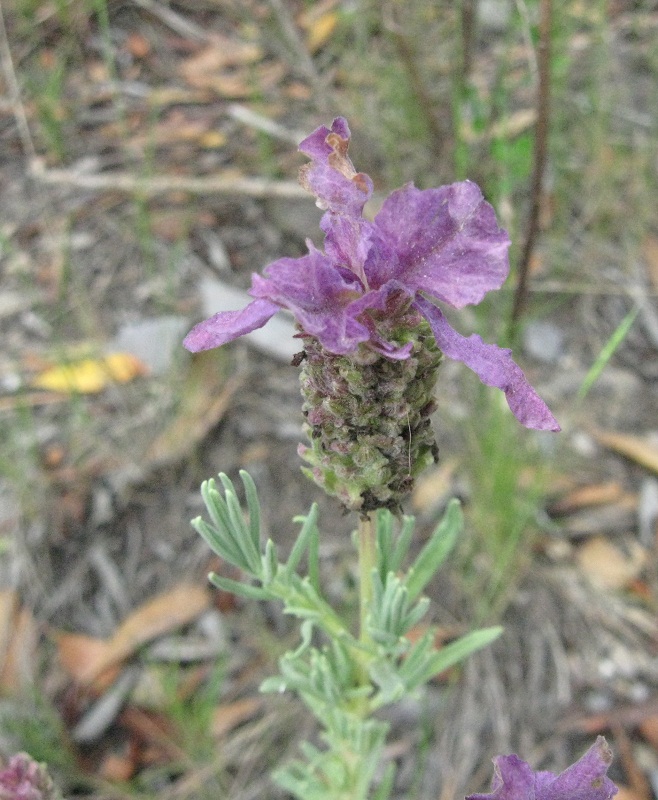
{"x":443,"y":244}
{"x":585,"y":780}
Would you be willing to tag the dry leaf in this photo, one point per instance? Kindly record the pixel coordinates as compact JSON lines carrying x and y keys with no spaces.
{"x":599,"y":494}
{"x":607,"y":566}
{"x":229,"y":715}
{"x":212,"y":139}
{"x":514,"y":124}
{"x":636,"y":448}
{"x":649,"y":729}
{"x":116,"y":767}
{"x":175,"y":96}
{"x":433,"y":487}
{"x":20,"y":656}
{"x":627,"y":793}
{"x":79,"y":654}
{"x":201,"y":69}
{"x":154,"y":731}
{"x":137,"y":45}
{"x":8,"y":611}
{"x":90,"y":375}
{"x":162,"y":614}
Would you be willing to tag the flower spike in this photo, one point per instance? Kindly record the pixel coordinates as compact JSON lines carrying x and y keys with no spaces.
{"x":372,"y":333}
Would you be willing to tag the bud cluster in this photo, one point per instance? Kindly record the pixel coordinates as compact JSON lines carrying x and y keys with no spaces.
{"x":368,"y":420}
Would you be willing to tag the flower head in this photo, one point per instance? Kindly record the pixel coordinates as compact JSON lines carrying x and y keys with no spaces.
{"x":423,"y":246}
{"x":585,"y":780}
{"x":25,"y":779}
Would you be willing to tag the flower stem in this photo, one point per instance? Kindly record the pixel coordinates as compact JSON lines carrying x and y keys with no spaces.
{"x":367,"y":561}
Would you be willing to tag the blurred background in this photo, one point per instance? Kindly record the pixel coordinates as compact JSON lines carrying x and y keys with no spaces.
{"x":148,"y":166}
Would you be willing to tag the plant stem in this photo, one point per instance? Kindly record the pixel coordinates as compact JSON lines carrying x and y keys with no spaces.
{"x":541,"y":146}
{"x":367,"y":561}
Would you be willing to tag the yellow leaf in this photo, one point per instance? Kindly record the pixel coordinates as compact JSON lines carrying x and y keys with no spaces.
{"x":212,"y":139}
{"x":320,"y":30}
{"x":90,"y":375}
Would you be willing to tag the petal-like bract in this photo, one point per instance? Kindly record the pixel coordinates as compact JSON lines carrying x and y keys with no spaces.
{"x":446,"y":240}
{"x":587,"y":779}
{"x":494,"y":366}
{"x":229,"y":325}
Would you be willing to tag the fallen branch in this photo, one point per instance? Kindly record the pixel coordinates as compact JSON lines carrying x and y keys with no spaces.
{"x":161,"y":184}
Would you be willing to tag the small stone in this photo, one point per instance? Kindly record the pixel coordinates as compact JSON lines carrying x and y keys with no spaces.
{"x":494,"y":15}
{"x":154,"y":341}
{"x":543,"y":341}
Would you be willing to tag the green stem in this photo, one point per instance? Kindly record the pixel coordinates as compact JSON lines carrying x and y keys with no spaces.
{"x":367,"y":561}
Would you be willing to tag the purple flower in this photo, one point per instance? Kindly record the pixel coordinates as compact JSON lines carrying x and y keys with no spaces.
{"x":423,"y":246}
{"x":585,"y":780}
{"x":24,"y":779}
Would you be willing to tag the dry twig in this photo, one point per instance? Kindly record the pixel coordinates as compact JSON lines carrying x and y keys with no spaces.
{"x":541,"y":143}
{"x":161,"y":184}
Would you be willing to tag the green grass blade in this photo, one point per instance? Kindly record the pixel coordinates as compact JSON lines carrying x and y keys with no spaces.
{"x":608,"y":350}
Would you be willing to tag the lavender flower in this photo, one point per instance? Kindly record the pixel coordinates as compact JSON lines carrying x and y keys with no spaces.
{"x":585,"y":780}
{"x":423,"y":246}
{"x":24,"y":779}
{"x":372,"y":339}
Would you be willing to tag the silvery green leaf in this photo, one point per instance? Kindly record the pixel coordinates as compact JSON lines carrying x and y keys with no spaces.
{"x":235,"y":587}
{"x":436,"y":550}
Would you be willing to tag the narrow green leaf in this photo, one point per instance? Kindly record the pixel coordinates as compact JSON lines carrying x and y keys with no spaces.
{"x":302,"y":541}
{"x":268,"y":566}
{"x":220,"y":544}
{"x":416,"y":614}
{"x":377,"y":594}
{"x":418,"y":654}
{"x":399,"y":600}
{"x":384,"y":538}
{"x":215,"y":504}
{"x":235,"y":587}
{"x":273,"y":685}
{"x":253,"y":506}
{"x":436,"y":550}
{"x":455,"y":652}
{"x":240,"y":532}
{"x":402,"y":544}
{"x":314,"y":554}
{"x":383,"y":791}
